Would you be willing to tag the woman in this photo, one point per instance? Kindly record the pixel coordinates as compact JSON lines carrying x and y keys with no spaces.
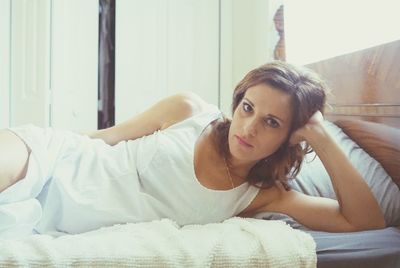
{"x":181,"y":159}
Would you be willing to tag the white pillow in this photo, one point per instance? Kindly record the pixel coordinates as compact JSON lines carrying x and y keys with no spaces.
{"x":314,"y":180}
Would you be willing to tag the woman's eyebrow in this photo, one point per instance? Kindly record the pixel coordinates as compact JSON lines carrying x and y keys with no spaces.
{"x":268,"y":115}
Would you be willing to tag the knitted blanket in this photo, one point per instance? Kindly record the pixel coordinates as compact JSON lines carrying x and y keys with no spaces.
{"x":237,"y":242}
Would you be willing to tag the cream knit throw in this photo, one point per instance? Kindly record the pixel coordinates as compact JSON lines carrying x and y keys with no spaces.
{"x":237,"y":242}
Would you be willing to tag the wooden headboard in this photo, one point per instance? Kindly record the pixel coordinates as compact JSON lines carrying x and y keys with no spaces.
{"x":365,"y":84}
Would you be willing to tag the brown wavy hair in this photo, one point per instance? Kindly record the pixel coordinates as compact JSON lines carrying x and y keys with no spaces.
{"x":308,"y":95}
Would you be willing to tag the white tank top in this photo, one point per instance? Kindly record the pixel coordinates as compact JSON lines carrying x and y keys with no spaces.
{"x":167,"y":175}
{"x":150,"y":178}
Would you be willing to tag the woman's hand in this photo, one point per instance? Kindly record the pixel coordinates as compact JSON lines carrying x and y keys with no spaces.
{"x":308,"y":131}
{"x":356,"y":207}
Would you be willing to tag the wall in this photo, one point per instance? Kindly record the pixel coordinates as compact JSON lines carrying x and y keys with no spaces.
{"x":314,"y":32}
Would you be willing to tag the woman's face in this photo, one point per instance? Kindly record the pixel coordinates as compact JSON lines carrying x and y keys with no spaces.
{"x":260,"y":124}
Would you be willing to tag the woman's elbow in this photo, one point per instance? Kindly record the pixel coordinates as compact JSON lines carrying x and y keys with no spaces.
{"x":375,"y":224}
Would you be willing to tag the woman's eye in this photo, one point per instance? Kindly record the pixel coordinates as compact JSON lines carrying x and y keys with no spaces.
{"x":246,"y":107}
{"x":272,"y":123}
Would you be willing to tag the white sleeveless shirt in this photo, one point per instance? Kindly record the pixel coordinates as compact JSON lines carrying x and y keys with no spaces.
{"x":150,"y":178}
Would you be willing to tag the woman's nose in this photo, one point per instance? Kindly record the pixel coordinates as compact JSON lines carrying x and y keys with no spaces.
{"x":251,"y":128}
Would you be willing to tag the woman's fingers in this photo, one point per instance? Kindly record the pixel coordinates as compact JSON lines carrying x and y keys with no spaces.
{"x":301,"y":134}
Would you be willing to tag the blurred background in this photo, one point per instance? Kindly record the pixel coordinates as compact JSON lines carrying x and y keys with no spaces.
{"x":89,"y":64}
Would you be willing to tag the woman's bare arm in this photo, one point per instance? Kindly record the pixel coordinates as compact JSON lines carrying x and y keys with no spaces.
{"x":356,"y":208}
{"x":161,"y":115}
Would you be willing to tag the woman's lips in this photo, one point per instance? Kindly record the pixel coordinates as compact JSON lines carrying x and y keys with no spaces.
{"x":242,"y":141}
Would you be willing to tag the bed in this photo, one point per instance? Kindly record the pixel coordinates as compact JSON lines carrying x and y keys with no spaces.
{"x":364,"y":115}
{"x":377,"y":248}
{"x":367,"y":126}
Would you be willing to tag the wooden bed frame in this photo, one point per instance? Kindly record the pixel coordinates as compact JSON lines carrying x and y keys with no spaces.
{"x":365,"y":100}
{"x":365,"y":84}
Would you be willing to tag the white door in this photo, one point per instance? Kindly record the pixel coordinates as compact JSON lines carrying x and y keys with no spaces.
{"x":52,"y":63}
{"x":164,"y":46}
{"x":74,"y":64}
{"x":29,"y":62}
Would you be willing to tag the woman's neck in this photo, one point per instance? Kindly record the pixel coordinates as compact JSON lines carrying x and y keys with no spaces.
{"x":239,"y":168}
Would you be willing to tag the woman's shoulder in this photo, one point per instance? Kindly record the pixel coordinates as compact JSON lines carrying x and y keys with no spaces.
{"x":188,"y":104}
{"x":196,"y":103}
